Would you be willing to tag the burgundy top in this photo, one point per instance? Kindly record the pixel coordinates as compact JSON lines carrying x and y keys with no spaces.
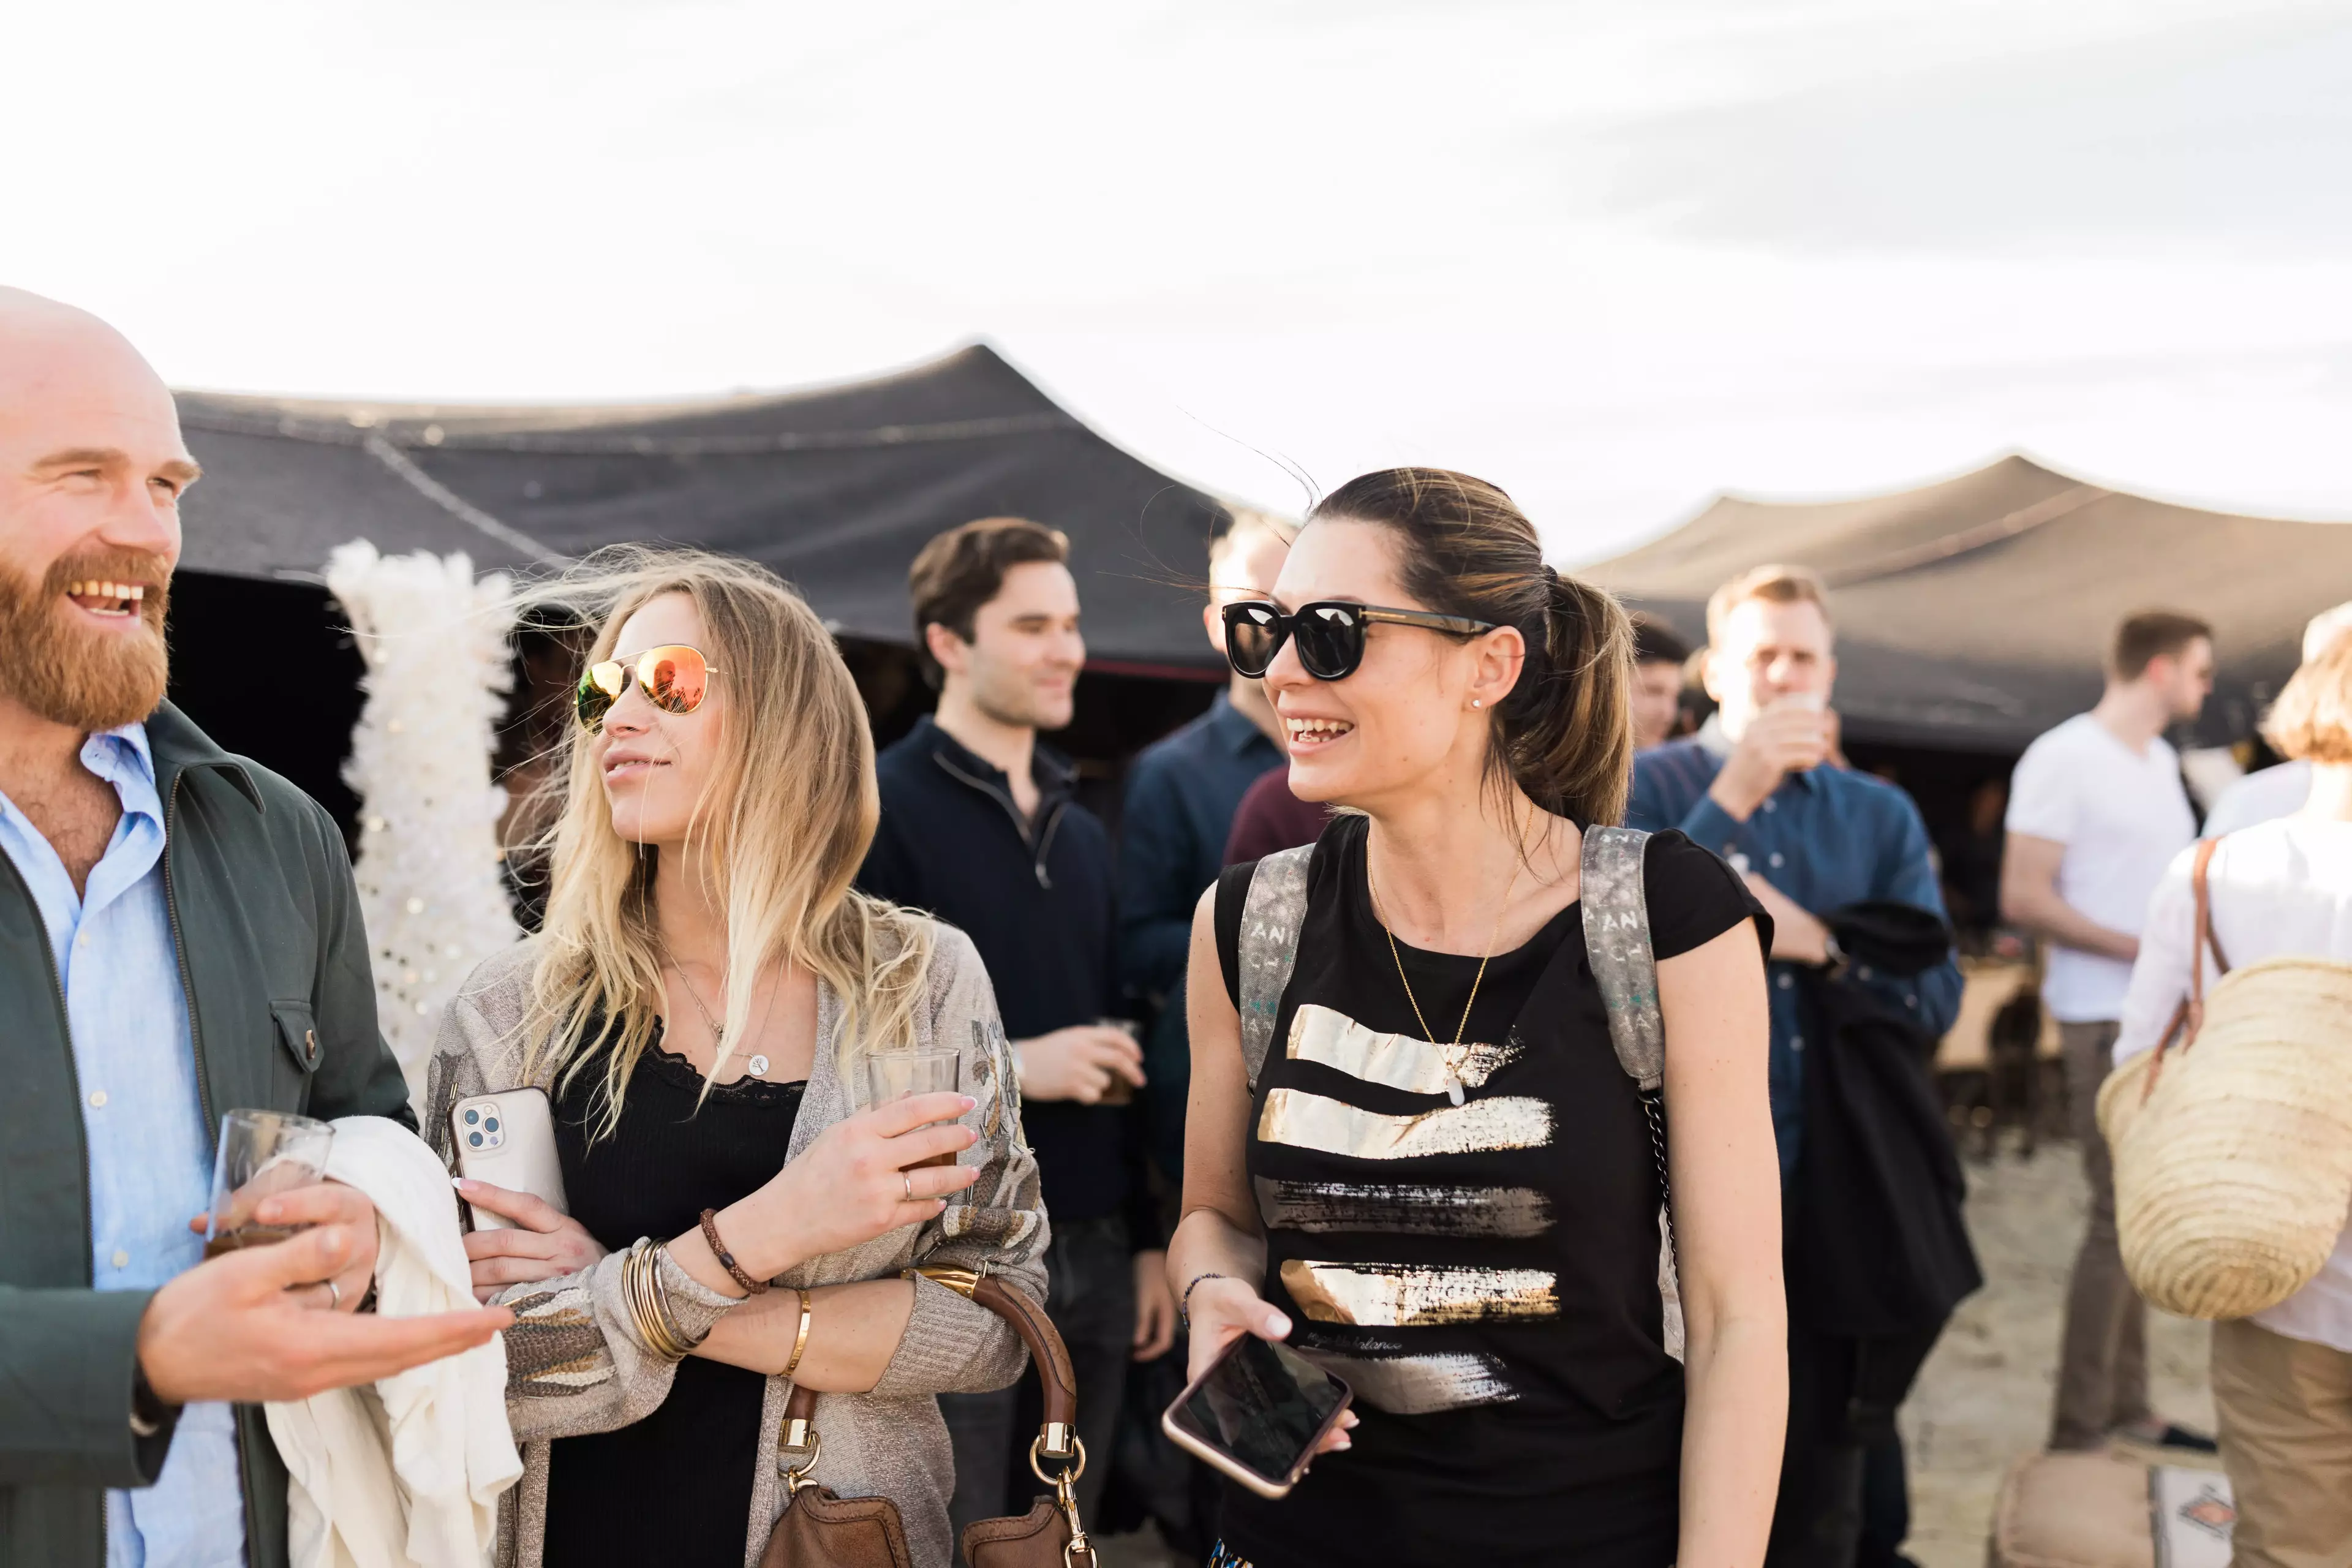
{"x":1270,"y":817}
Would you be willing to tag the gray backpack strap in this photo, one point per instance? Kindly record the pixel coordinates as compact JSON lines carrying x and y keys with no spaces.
{"x":1271,"y":916}
{"x":1617,"y":942}
{"x":1617,"y":939}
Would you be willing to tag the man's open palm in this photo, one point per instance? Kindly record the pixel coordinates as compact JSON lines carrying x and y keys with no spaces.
{"x":231,"y":1329}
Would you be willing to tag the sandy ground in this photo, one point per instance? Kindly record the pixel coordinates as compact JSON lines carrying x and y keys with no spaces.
{"x":1984,"y":1396}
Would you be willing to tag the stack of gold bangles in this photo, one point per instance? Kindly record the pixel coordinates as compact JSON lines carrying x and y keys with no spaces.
{"x":648,"y":1300}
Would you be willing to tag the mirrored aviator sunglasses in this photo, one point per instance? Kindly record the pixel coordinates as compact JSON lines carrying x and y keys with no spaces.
{"x":1329,"y":634}
{"x":673,"y":677}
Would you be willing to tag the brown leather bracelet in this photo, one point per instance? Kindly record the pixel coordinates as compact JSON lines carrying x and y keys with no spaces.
{"x":726,"y":1259}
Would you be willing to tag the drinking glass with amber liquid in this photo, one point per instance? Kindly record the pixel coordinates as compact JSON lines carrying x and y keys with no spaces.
{"x":262,"y":1154}
{"x":1119,"y":1091}
{"x":922,"y":1070}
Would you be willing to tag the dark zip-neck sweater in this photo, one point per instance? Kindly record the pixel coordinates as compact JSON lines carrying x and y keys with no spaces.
{"x":1034,"y":896}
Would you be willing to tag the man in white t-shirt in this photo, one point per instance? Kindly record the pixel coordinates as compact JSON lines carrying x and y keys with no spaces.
{"x":2279,"y":789}
{"x":2096,"y":812}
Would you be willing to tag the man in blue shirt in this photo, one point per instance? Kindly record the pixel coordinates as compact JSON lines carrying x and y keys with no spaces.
{"x":1758,"y":784}
{"x":1182,"y":793}
{"x":178,"y":937}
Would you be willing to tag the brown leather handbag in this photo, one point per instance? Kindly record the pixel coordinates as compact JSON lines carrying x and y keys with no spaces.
{"x":818,"y":1529}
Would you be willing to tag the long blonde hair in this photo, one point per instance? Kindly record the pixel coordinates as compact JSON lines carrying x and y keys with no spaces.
{"x":777,"y":836}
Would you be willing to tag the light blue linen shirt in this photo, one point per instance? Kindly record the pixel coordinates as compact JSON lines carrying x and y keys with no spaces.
{"x":150,"y":1151}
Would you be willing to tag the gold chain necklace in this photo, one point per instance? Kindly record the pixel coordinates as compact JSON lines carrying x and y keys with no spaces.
{"x":756,"y":1066}
{"x":1455,"y":1054}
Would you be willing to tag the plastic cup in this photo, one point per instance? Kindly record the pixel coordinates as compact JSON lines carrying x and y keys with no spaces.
{"x":925,"y":1069}
{"x":262,"y":1154}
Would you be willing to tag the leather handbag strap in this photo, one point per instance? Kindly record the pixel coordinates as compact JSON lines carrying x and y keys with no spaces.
{"x":1046,"y":1350}
{"x":2201,"y":879}
{"x":2190,"y":1016}
{"x":818,"y":1529}
{"x":1057,"y":1438}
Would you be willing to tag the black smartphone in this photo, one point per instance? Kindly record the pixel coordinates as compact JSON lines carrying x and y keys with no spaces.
{"x":1257,"y":1413}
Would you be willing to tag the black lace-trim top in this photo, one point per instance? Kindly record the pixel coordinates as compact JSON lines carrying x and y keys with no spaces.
{"x":680,"y":1073}
{"x":676,"y":1486}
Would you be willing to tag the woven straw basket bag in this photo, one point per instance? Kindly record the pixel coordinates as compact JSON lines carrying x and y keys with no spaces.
{"x":2233,"y":1159}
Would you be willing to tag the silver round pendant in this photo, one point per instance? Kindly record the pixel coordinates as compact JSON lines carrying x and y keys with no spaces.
{"x":759,"y":1066}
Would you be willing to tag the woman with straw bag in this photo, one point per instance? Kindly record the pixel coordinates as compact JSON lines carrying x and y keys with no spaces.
{"x":2270,"y":907}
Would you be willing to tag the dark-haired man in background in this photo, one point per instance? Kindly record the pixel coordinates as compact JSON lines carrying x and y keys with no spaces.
{"x":980,"y":826}
{"x":1658,"y":659}
{"x":2096,"y":812}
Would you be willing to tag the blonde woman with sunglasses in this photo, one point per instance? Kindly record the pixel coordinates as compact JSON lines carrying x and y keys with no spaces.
{"x":696,"y":1008}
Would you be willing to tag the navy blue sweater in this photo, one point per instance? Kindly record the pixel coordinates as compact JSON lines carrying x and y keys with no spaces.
{"x":1035,"y":899}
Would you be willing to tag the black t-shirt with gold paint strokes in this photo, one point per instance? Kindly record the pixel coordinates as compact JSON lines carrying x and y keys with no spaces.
{"x":1483,"y":1274}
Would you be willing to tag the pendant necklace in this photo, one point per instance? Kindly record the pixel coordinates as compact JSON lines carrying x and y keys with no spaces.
{"x":1456,"y":1055}
{"x":756,"y":1066}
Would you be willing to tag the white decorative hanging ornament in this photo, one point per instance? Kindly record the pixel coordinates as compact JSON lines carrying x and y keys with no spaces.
{"x":433,"y":639}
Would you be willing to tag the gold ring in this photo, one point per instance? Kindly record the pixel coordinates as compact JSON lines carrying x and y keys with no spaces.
{"x":909,"y":1180}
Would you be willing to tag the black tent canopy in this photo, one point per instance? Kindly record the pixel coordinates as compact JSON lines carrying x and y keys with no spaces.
{"x":1972,"y":614}
{"x":835,"y":489}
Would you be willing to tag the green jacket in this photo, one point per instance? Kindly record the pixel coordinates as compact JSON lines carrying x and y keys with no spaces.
{"x":281,"y":1009}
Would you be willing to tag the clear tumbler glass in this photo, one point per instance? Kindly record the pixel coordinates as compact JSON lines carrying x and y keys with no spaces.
{"x":924,"y":1069}
{"x":262,"y":1154}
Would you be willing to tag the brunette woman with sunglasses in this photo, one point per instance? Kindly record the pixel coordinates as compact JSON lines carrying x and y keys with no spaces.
{"x":699,"y":1007}
{"x":1443,"y":1186}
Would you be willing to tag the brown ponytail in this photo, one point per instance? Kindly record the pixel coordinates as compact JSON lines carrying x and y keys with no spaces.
{"x":1565,"y":735}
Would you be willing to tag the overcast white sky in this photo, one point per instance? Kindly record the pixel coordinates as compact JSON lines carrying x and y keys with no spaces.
{"x":1614,"y":257}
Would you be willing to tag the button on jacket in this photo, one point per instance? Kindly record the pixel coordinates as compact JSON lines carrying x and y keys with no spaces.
{"x":1827,"y":839}
{"x":269,"y":1003}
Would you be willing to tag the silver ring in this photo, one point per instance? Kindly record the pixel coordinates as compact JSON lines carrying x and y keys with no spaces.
{"x":335,"y":1295}
{"x":909,"y":1180}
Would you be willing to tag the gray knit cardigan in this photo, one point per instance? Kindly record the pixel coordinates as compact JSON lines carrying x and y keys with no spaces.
{"x":575,"y":1363}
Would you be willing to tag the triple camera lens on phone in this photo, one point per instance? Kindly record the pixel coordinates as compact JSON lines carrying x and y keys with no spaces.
{"x":484,"y":1131}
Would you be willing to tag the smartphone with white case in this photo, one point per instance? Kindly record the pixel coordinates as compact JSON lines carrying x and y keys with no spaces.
{"x":508,"y":1140}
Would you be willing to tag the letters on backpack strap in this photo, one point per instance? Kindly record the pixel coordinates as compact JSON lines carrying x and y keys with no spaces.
{"x":1271,"y":916}
{"x":1617,"y":942}
{"x":1617,"y":945}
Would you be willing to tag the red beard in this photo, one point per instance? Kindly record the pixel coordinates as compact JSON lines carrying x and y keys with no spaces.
{"x":82,"y":677}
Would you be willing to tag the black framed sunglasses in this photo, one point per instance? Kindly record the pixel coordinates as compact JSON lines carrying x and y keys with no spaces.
{"x":1329,"y":634}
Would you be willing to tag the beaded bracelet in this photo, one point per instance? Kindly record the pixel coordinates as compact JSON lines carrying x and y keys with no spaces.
{"x":1184,"y":1302}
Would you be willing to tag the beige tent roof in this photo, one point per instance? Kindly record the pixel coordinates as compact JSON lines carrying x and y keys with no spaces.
{"x":1972,"y":613}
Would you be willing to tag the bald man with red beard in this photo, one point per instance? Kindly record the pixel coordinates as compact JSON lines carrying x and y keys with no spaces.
{"x":179,"y":937}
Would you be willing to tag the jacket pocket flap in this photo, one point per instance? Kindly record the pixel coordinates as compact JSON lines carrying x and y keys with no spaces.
{"x":297,"y":1031}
